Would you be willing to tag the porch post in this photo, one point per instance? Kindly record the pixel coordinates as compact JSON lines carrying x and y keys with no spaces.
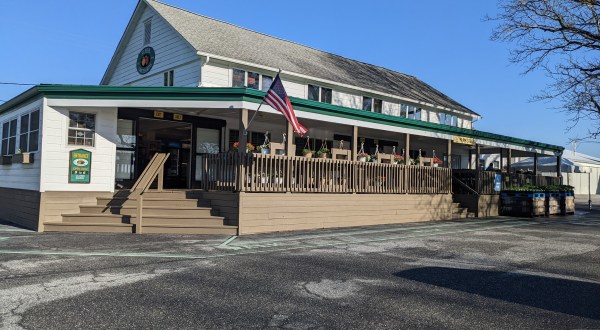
{"x":290,"y":139}
{"x":449,"y":153}
{"x":501,"y":160}
{"x":477,"y":167}
{"x":406,"y":162}
{"x":535,"y":164}
{"x":243,"y":124}
{"x":558,"y":166}
{"x":406,"y":151}
{"x":470,"y":163}
{"x":354,"y":142}
{"x":477,"y":155}
{"x":508,"y":161}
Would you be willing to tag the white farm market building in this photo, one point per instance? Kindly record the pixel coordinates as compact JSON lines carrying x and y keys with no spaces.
{"x":150,"y":149}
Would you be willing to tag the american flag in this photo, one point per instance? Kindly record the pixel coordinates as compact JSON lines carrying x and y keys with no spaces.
{"x":277,"y":98}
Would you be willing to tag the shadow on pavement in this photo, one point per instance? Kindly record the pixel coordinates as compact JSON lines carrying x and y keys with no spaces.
{"x":553,"y":294}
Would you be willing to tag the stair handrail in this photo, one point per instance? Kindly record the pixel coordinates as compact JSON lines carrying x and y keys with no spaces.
{"x":153,"y":170}
{"x":455,"y":178}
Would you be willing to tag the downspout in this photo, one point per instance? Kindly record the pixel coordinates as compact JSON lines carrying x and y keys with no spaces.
{"x":202,"y":64}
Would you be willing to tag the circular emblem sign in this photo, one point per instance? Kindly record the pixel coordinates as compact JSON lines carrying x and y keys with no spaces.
{"x":145,"y":60}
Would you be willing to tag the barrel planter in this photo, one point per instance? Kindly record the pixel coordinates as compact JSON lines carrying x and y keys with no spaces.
{"x":523,"y":203}
{"x":567,"y":203}
{"x":553,"y":206}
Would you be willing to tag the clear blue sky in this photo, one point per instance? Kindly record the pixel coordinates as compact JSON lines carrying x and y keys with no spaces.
{"x":444,"y":43}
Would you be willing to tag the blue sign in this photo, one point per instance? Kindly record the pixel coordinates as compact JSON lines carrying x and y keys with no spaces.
{"x":498,"y":182}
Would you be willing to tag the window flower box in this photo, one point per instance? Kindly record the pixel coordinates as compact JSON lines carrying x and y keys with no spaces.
{"x":23,"y":158}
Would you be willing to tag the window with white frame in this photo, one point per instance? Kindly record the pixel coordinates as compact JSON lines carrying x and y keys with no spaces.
{"x":82,"y":127}
{"x":9,"y":137}
{"x":267,"y":81}
{"x":147,"y":31}
{"x":403,"y":110}
{"x":243,"y":78}
{"x":29,"y":132}
{"x":367,"y":103}
{"x":441,"y":117}
{"x":377,"y":105}
{"x":320,"y":94}
{"x":169,"y":78}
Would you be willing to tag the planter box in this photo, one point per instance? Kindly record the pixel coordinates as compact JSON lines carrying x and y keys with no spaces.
{"x":567,"y":203}
{"x":523,"y":204}
{"x":553,"y":203}
{"x":24,"y":158}
{"x":5,"y":160}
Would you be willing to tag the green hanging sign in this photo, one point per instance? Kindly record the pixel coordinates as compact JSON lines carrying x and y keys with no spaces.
{"x":80,"y":166}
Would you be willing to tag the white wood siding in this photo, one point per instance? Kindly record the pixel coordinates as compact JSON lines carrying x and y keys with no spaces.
{"x":216,"y":75}
{"x":186,"y":75}
{"x":22,"y":176}
{"x":171,"y":51}
{"x":294,"y":88}
{"x":55,"y":150}
{"x":346,"y":100}
{"x":392,"y":109}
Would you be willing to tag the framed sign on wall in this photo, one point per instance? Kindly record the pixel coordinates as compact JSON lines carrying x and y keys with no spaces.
{"x":80,"y":166}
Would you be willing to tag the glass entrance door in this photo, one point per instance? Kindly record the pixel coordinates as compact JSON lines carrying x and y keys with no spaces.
{"x":170,"y":137}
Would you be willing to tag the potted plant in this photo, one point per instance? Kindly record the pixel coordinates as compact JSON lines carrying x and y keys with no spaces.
{"x":380,"y":180}
{"x":307,"y":152}
{"x":435,"y":162}
{"x":362,"y":157}
{"x":398,"y":159}
{"x":263,"y":149}
{"x":249,"y":146}
{"x":322,"y":153}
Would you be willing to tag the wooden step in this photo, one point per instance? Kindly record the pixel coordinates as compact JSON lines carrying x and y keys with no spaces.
{"x":151,"y":201}
{"x":166,"y":228}
{"x":147,"y":210}
{"x":88,"y":227}
{"x":182,"y":221}
{"x":105,"y":218}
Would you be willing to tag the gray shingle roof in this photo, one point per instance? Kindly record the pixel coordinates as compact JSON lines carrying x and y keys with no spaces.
{"x":215,"y":37}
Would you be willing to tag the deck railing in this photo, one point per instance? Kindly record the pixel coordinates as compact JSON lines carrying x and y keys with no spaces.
{"x":483,"y":182}
{"x":274,"y":173}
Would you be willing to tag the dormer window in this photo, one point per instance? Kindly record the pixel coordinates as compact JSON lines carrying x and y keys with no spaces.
{"x":147,"y":31}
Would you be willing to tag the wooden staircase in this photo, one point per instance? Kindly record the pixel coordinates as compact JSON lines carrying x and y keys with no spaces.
{"x":460,"y":212}
{"x":166,"y":212}
{"x":141,"y":210}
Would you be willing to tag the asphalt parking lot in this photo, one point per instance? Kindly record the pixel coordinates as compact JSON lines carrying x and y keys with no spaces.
{"x":484,"y":273}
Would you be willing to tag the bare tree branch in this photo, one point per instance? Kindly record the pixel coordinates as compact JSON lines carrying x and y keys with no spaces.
{"x":561,"y":38}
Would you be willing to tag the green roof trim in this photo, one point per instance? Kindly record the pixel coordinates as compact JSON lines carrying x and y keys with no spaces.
{"x":250,"y":95}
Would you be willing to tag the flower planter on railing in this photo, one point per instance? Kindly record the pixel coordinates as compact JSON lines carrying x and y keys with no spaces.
{"x":523,"y":203}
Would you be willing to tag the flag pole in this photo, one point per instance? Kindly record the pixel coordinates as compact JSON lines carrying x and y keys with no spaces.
{"x":260,"y":105}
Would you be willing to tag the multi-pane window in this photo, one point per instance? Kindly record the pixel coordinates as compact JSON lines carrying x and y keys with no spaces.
{"x":441,"y":117}
{"x":367,"y":103}
{"x":241,"y":78}
{"x":320,"y":94}
{"x":411,"y":112}
{"x":266,"y":82}
{"x":29,"y":133}
{"x":326,"y":95}
{"x":377,"y":105}
{"x":9,"y":137}
{"x":238,"y":78}
{"x":403,"y":110}
{"x":253,"y":80}
{"x":82,"y":127}
{"x":147,"y":32}
{"x":169,"y":78}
